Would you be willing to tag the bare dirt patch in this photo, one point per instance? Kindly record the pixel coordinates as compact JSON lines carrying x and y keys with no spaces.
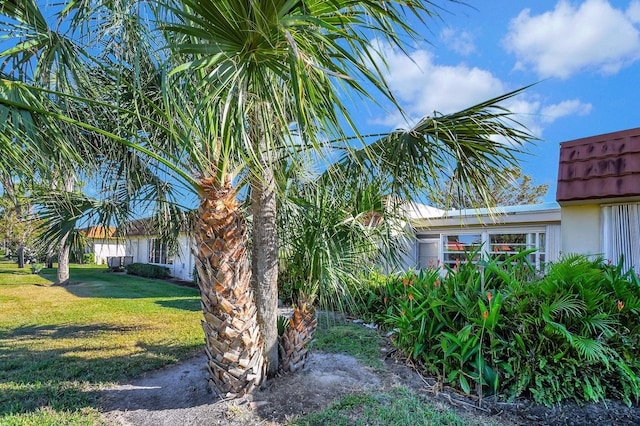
{"x":180,"y":395}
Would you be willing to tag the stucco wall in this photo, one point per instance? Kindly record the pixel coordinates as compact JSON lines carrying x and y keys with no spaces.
{"x":183,"y":261}
{"x":102,"y":250}
{"x":581,"y":229}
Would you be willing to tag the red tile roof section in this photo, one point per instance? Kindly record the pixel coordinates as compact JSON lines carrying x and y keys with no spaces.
{"x":99,"y":232}
{"x":603,"y":166}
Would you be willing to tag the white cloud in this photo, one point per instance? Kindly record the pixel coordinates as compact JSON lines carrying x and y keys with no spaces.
{"x":633,"y":12}
{"x":422,"y":86}
{"x":551,"y":113}
{"x":459,"y":41}
{"x":569,"y":39}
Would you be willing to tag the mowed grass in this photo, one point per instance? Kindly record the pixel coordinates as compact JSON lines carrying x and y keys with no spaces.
{"x":395,"y":407}
{"x":59,"y":344}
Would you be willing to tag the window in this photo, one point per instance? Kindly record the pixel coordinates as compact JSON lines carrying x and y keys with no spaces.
{"x":456,"y":247}
{"x":498,"y":243}
{"x":621,"y":233}
{"x":158,"y":252}
{"x":502,"y":246}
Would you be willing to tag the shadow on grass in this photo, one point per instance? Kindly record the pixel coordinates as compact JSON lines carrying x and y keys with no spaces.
{"x":67,"y":378}
{"x":54,"y":331}
{"x":191,"y":304}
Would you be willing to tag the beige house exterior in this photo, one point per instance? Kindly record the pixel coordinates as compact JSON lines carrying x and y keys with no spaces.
{"x":599,"y":194}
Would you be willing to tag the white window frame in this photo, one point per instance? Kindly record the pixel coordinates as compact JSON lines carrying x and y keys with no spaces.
{"x":162,"y":255}
{"x":540,"y":255}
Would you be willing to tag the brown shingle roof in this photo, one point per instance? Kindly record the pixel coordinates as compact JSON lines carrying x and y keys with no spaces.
{"x":602,"y":166}
{"x":140,"y":227}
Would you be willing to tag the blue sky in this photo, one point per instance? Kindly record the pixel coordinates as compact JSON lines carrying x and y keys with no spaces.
{"x":583,"y":55}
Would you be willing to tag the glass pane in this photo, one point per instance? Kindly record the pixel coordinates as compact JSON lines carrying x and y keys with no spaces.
{"x":462,"y":242}
{"x":428,"y":254}
{"x":457,"y":247}
{"x":509,"y":243}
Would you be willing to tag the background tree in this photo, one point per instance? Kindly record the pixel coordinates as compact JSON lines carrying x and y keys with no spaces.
{"x":507,"y":188}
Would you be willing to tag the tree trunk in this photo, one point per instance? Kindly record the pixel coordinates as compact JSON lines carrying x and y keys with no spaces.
{"x":62,"y":277}
{"x":20,"y":256}
{"x":265,"y":263}
{"x":298,"y":335}
{"x":64,"y":246}
{"x":234,"y":345}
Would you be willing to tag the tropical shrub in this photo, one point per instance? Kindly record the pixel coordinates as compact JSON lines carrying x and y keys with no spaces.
{"x":148,"y":270}
{"x":88,"y":258}
{"x":366,"y":296}
{"x":500,"y":328}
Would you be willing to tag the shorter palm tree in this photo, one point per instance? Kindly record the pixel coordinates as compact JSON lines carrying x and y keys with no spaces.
{"x":331,"y":234}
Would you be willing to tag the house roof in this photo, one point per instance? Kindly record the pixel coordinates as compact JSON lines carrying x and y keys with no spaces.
{"x":140,"y":227}
{"x":501,"y":215}
{"x":99,"y":232}
{"x":415,"y":210}
{"x":148,"y":226}
{"x":602,"y":166}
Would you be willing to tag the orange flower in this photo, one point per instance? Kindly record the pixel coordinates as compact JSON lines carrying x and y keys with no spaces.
{"x":404,"y":312}
{"x":405,"y":282}
{"x":384,"y":300}
{"x":410,"y":296}
{"x":485,"y":314}
{"x":489,"y":296}
{"x":411,"y":283}
{"x":437,"y":283}
{"x":620,"y":305}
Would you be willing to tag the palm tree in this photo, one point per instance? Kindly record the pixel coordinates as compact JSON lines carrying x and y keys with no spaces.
{"x":47,"y":59}
{"x":332,"y":236}
{"x":255,"y":84}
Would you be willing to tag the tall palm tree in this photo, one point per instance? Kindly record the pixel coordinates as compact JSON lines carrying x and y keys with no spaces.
{"x":252,"y":85}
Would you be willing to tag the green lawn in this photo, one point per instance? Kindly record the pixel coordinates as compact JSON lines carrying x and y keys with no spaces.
{"x":58,"y":344}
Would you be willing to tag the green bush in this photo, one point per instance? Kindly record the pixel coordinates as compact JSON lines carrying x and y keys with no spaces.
{"x":36,"y":268}
{"x":148,"y":270}
{"x":500,"y":328}
{"x":88,"y":258}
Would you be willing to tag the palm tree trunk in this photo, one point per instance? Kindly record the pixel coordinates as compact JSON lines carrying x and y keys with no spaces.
{"x":62,"y":275}
{"x":234,"y":345}
{"x":294,"y":343}
{"x":265,"y":263}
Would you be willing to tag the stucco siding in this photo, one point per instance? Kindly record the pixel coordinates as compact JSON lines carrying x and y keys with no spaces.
{"x":102,"y":250}
{"x":183,"y":261}
{"x":581,"y":229}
